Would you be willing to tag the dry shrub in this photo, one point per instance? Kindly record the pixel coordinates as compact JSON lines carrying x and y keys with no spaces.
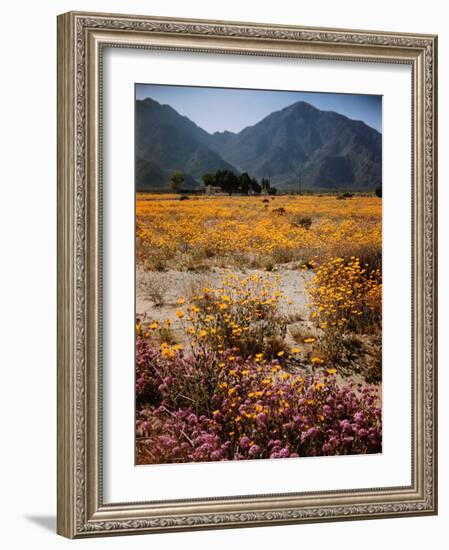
{"x":154,"y":287}
{"x":301,"y":221}
{"x":282,"y":255}
{"x":155,"y":260}
{"x":193,"y":285}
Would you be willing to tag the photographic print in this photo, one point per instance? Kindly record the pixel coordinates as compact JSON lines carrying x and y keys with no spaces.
{"x":236,"y":290}
{"x":258,"y":274}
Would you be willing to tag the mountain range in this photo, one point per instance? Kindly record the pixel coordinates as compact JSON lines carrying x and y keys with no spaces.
{"x":298,"y":145}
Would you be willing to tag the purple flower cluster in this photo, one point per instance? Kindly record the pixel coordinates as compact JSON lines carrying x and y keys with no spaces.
{"x":213,"y":407}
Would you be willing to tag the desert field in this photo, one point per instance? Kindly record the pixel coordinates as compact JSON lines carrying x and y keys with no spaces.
{"x":258,"y":326}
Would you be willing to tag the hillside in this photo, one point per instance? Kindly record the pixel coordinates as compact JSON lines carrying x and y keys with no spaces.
{"x":321,"y":149}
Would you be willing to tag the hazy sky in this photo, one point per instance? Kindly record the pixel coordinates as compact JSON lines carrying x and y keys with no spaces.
{"x":218,"y":109}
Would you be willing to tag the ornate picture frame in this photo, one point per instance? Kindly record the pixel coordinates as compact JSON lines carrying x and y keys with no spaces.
{"x":82,"y":38}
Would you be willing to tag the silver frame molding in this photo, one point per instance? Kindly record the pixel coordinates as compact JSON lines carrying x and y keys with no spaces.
{"x":81,"y":39}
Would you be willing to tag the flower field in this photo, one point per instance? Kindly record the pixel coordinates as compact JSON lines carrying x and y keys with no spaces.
{"x":258,"y":329}
{"x":255,"y":232}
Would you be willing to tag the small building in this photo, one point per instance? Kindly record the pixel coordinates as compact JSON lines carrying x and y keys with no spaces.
{"x":209,"y":190}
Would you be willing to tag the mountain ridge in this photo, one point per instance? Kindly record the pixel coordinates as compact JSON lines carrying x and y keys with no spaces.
{"x":297,"y":145}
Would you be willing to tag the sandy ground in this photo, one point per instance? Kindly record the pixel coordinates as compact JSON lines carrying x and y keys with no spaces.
{"x":178,"y":284}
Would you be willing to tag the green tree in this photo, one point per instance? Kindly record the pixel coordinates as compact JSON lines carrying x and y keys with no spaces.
{"x":208,"y":178}
{"x":255,"y":187}
{"x":176,"y":181}
{"x":244,"y":183}
{"x":227,"y":180}
{"x":265,"y":184}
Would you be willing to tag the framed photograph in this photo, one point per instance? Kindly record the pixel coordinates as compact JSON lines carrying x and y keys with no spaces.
{"x":246,"y":274}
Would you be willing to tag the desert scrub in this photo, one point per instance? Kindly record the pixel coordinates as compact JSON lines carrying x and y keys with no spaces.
{"x":219,"y":406}
{"x":156,"y":331}
{"x":346,"y":293}
{"x":154,"y":287}
{"x":300,"y":220}
{"x":240,"y":230}
{"x":166,"y":377}
{"x":346,"y":298}
{"x":241,"y":313}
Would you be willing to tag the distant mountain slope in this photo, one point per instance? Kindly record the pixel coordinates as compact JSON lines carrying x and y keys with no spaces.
{"x":322,"y":149}
{"x":167,"y":142}
{"x":150,"y":176}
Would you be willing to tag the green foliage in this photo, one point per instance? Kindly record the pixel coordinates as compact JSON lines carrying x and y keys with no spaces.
{"x":256,"y":188}
{"x":227,"y":180}
{"x":176,"y":181}
{"x":208,"y":178}
{"x":231,"y":182}
{"x":244,"y":183}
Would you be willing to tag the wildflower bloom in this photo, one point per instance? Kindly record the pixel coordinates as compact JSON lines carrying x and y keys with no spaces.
{"x":309,"y":340}
{"x":189,"y":407}
{"x":254,"y":450}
